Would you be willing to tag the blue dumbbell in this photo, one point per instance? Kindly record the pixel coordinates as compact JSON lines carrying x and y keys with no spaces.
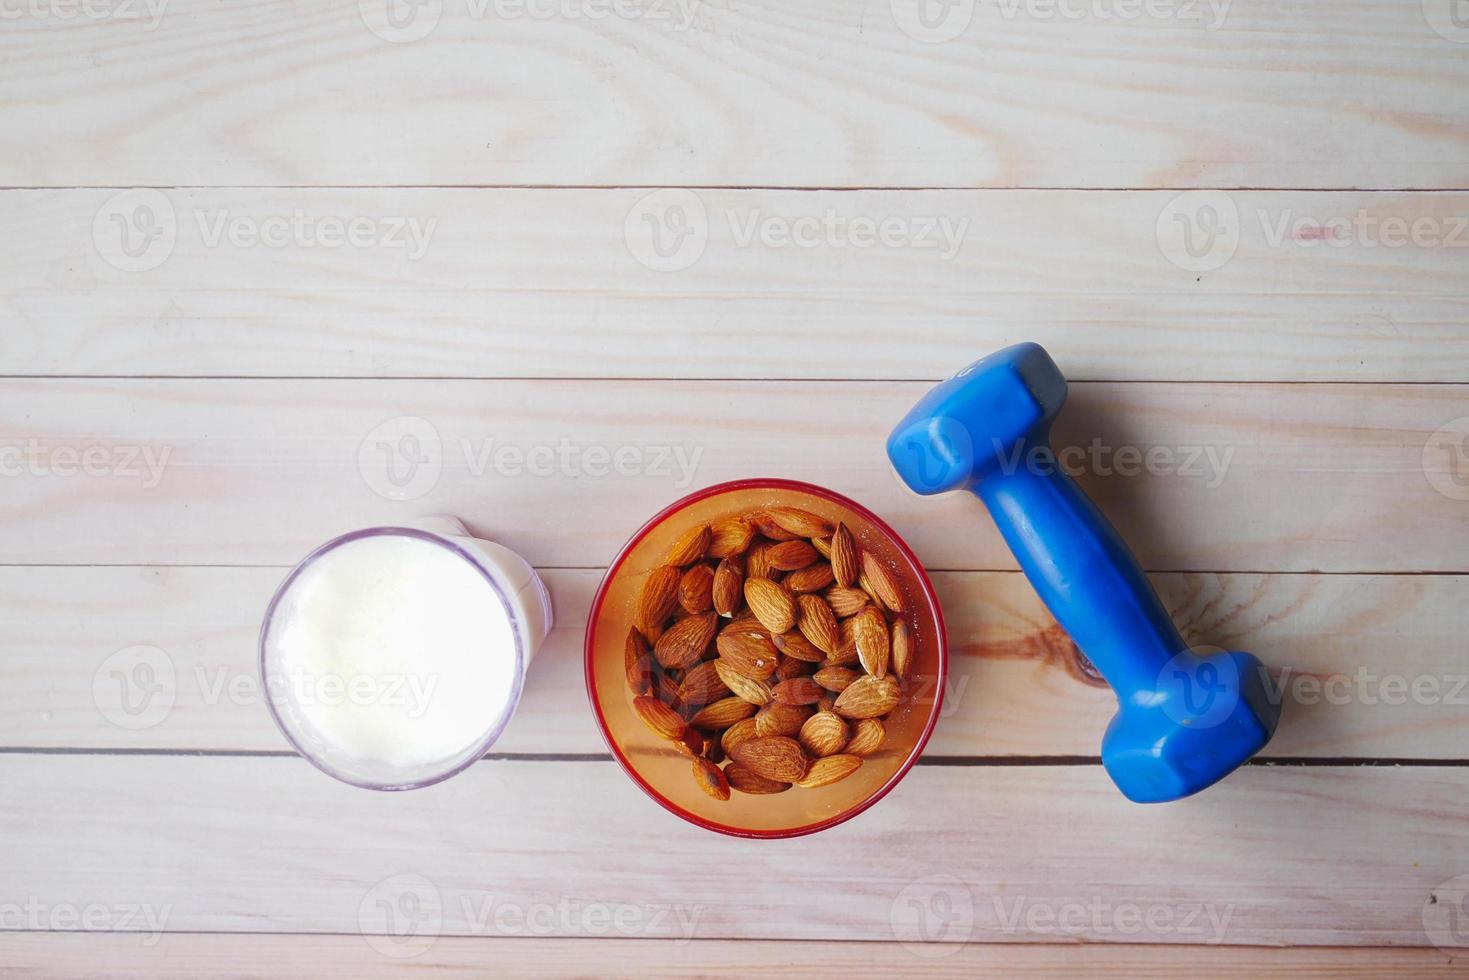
{"x":1184,"y":721}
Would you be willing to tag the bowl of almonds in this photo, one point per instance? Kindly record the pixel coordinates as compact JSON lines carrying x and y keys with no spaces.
{"x":765,"y":658}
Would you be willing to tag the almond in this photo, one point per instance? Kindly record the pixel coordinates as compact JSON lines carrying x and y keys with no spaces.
{"x":822,"y":546}
{"x":801,"y":523}
{"x":812,"y":578}
{"x":727,"y":591}
{"x":867,"y":737}
{"x":844,"y":601}
{"x":729,"y":538}
{"x":824,"y":734}
{"x":773,"y":756}
{"x":691,"y":743}
{"x":835,"y":678}
{"x":869,"y":697}
{"x":826,"y":771}
{"x":757,"y":561}
{"x":663,"y":720}
{"x":882,"y":582}
{"x":635,"y":661}
{"x":771,"y":604}
{"x":658,"y":599}
{"x":797,"y":690}
{"x":689,"y":547}
{"x":684,"y":643}
{"x":696,"y":588}
{"x":722,"y":714}
{"x":745,"y":780}
{"x":737,"y":733}
{"x":750,"y":689}
{"x":845,"y":565}
{"x":745,"y":622}
{"x":701,"y":685}
{"x":791,"y":555}
{"x":827,"y":703}
{"x":781,"y":719}
{"x":794,"y":645}
{"x":870,"y":633}
{"x":902,"y":643}
{"x":789,"y":668}
{"x":748,"y":652}
{"x":665,"y":688}
{"x":846,"y":654}
{"x":711,"y":779}
{"x":819,"y":624}
{"x":767,"y":527}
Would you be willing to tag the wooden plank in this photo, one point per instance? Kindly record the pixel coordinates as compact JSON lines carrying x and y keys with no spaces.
{"x":102,"y":955}
{"x":1245,"y":477}
{"x":826,"y":94}
{"x":1008,"y":854}
{"x":538,"y":283}
{"x":1369,"y":666}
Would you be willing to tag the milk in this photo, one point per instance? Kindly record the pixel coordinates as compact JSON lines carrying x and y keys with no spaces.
{"x":391,"y":659}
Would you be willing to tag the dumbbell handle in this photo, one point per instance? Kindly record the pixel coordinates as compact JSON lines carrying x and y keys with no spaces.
{"x":1083,"y":571}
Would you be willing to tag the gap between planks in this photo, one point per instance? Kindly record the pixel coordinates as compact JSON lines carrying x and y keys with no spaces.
{"x":796,"y":188}
{"x":660,"y":379}
{"x":944,"y":761}
{"x":336,"y":954}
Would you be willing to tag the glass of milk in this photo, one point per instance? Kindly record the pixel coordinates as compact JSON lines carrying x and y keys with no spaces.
{"x":393,"y":657}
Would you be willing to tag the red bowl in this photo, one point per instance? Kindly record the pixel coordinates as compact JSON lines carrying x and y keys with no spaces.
{"x":660,"y":770}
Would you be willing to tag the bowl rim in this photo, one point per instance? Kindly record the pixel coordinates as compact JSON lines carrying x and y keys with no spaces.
{"x":764,"y":483}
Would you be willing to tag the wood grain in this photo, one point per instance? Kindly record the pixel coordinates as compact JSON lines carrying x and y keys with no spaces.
{"x":1265,"y":478}
{"x":821,"y":94}
{"x":543,"y":283}
{"x":1346,"y":650}
{"x":1324,"y":856}
{"x":231,"y":404}
{"x":308,"y":957}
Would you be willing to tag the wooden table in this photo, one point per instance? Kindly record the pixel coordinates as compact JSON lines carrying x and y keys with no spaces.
{"x":275,"y":271}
